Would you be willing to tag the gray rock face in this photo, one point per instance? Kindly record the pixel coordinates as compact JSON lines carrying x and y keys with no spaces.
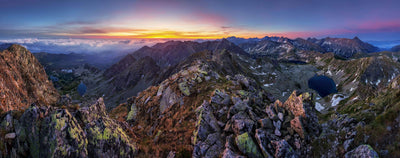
{"x":168,"y":99}
{"x":362,"y":151}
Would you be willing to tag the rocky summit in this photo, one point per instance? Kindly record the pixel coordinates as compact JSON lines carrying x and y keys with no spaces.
{"x":23,"y":80}
{"x":215,"y":100}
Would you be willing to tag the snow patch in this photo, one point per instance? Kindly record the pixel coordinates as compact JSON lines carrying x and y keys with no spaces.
{"x":337,"y":98}
{"x":329,"y":72}
{"x":326,"y":43}
{"x":319,"y":107}
{"x":355,"y":98}
{"x":253,"y":68}
{"x":66,"y":70}
{"x":260,"y":74}
{"x":377,"y":82}
{"x":268,"y":84}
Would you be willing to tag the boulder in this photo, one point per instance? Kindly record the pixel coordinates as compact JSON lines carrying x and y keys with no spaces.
{"x":168,"y":99}
{"x":295,"y":104}
{"x":230,"y":154}
{"x":266,"y":123}
{"x":183,"y":86}
{"x":297,"y":126}
{"x":263,"y":142}
{"x":10,"y":136}
{"x":362,"y":151}
{"x":106,"y":138}
{"x":283,"y":149}
{"x":247,"y":146}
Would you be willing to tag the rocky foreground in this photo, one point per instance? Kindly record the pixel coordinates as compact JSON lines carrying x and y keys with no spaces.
{"x":43,"y":131}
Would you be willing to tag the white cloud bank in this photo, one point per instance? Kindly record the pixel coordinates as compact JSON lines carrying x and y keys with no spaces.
{"x":72,"y":45}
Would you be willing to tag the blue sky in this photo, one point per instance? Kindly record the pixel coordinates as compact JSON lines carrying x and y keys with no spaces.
{"x":367,"y":19}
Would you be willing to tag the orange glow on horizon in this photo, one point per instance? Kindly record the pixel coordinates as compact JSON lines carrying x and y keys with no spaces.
{"x":157,"y":34}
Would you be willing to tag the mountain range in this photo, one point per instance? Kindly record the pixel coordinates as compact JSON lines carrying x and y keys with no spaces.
{"x":225,"y":98}
{"x":270,"y":46}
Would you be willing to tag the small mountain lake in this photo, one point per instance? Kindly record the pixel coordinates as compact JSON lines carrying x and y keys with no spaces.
{"x":323,"y":85}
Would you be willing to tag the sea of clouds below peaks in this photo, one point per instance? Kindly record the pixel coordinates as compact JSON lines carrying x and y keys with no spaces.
{"x":70,"y":45}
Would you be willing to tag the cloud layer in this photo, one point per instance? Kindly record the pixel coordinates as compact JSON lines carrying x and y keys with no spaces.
{"x":117,"y":46}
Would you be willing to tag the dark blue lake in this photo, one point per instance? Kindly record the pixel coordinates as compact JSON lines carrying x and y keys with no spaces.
{"x":323,"y":85}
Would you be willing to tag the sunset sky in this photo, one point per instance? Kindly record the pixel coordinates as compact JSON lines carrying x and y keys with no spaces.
{"x":201,"y":19}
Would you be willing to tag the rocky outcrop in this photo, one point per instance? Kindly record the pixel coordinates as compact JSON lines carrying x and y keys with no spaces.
{"x":256,"y":133}
{"x":23,"y":80}
{"x":52,"y":132}
{"x":362,"y":151}
{"x":222,"y":115}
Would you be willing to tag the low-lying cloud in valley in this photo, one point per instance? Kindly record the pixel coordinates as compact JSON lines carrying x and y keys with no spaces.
{"x":71,"y":45}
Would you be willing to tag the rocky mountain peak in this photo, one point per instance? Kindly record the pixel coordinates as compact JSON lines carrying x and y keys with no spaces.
{"x":23,"y":80}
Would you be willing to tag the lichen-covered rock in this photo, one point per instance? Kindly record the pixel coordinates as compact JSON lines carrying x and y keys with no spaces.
{"x":106,"y":137}
{"x":44,"y":131}
{"x":132,"y":113}
{"x":362,"y":151}
{"x":184,"y":88}
{"x":247,"y":146}
{"x":28,"y":132}
{"x":61,"y":136}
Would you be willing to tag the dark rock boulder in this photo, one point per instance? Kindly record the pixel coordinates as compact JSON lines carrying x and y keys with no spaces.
{"x":283,"y":149}
{"x":362,"y":151}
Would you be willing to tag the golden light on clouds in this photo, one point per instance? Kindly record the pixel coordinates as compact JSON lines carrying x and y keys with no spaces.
{"x":150,"y":34}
